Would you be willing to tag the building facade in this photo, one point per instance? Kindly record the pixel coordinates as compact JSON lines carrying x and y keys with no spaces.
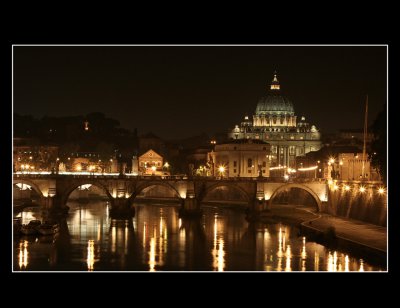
{"x":150,"y":163}
{"x":275,"y":122}
{"x":350,"y":167}
{"x":241,"y":157}
{"x":34,"y":157}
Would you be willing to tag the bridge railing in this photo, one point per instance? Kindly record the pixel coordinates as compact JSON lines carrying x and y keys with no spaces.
{"x":171,"y":177}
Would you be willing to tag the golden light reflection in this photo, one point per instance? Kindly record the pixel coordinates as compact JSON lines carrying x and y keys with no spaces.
{"x":179,"y":223}
{"x":23,"y":254}
{"x":284,"y":239}
{"x":113,"y":238}
{"x":303,"y":250}
{"x":335,"y":261}
{"x":126,"y":241}
{"x":280,"y":253}
{"x":98,"y":232}
{"x":288,"y":259}
{"x":346,"y":263}
{"x":90,"y":255}
{"x":144,"y":234}
{"x":221,"y":256}
{"x":152,"y":253}
{"x":330,"y":263}
{"x":316,"y":261}
{"x":218,"y":252}
{"x":361,"y":265}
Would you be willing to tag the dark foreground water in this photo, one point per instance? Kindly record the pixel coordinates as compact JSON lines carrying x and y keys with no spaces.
{"x":156,"y":239}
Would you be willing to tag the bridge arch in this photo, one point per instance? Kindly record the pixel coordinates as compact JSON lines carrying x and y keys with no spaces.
{"x":31,"y":184}
{"x":144,"y":186}
{"x":67,"y":191}
{"x":300,"y":186}
{"x":211,"y":188}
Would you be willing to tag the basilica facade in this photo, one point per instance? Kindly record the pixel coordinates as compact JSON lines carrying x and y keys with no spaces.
{"x":275,"y":122}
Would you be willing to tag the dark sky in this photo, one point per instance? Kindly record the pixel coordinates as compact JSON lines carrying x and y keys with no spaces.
{"x":182,"y":91}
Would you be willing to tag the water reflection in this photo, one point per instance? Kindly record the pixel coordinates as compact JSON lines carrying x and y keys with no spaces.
{"x":90,"y":255}
{"x":23,"y":255}
{"x":218,"y":246}
{"x":157,"y":239}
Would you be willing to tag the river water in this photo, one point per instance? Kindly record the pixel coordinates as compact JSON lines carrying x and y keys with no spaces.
{"x":156,"y":239}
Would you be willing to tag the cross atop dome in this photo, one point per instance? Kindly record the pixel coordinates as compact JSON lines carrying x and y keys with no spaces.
{"x":275,"y":83}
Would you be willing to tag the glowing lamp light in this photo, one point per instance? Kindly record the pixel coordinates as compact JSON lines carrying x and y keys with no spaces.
{"x":362,"y":189}
{"x":381,"y":190}
{"x":331,"y":160}
{"x":221,"y":169}
{"x":78,"y":168}
{"x":335,"y":187}
{"x":346,"y":187}
{"x":330,"y":182}
{"x":286,"y":177}
{"x":153,"y":168}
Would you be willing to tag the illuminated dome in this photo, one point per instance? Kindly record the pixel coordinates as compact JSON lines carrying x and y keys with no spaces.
{"x":274,"y":102}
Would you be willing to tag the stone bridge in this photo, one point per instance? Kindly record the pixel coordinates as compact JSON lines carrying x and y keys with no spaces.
{"x":258,"y":193}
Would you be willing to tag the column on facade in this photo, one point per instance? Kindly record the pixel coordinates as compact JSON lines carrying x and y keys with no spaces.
{"x":278,"y":154}
{"x":285,"y":155}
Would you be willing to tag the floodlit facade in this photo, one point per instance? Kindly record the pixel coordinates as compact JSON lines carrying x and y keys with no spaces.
{"x":275,"y":122}
{"x":242,"y":157}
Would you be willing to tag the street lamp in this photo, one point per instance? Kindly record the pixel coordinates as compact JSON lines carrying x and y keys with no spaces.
{"x":221,"y":170}
{"x":153,"y":169}
{"x":166,"y":166}
{"x":286,"y":177}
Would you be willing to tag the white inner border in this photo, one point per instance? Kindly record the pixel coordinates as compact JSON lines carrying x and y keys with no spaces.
{"x":204,"y":45}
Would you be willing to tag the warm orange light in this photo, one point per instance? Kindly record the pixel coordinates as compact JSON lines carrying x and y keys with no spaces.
{"x":78,"y":168}
{"x":335,"y":187}
{"x":347,"y":187}
{"x":331,"y":160}
{"x":221,"y":169}
{"x":362,"y":189}
{"x":381,"y":190}
{"x":286,"y":177}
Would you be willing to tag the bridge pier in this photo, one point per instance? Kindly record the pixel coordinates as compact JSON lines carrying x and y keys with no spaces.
{"x":190,"y":208}
{"x":53,"y":205}
{"x":121,"y":209}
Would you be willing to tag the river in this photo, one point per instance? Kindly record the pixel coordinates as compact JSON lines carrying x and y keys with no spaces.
{"x":156,"y":239}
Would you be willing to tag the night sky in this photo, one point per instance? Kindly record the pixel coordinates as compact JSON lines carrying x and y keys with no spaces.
{"x":178,"y":92}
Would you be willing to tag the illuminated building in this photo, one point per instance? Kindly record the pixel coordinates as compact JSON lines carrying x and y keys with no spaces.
{"x":242,"y":157}
{"x":275,"y":122}
{"x":151,"y":163}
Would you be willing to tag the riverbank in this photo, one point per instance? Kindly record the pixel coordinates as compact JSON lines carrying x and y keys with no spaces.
{"x":343,"y":233}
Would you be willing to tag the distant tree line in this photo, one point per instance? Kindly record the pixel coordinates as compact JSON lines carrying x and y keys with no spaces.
{"x":104,"y":135}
